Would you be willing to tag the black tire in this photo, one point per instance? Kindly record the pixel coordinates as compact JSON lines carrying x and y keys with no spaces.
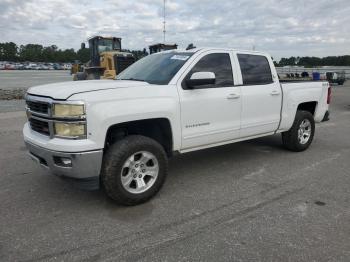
{"x":290,"y":138}
{"x":92,"y":76}
{"x":79,"y":76}
{"x":114,"y":160}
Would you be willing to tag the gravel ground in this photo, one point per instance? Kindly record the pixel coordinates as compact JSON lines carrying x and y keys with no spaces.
{"x":249,"y":201}
{"x":14,"y":83}
{"x":19,"y":79}
{"x":12,"y":105}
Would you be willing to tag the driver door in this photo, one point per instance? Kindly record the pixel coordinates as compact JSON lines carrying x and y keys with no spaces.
{"x":210,"y":114}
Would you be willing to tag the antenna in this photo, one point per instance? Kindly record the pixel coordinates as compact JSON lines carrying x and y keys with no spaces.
{"x":164,"y":31}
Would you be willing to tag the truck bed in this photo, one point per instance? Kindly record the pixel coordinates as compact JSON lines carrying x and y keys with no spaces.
{"x":298,"y":81}
{"x":296,"y":92}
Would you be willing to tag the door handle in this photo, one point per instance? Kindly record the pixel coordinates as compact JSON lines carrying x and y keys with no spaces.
{"x":233,"y":96}
{"x":275,"y":93}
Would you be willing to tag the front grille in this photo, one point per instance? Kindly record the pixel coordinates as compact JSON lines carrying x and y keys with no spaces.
{"x":39,"y":107}
{"x":41,"y":120}
{"x":39,"y":126}
{"x":124,"y":62}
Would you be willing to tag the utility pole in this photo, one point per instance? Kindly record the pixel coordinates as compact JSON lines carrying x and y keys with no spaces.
{"x":164,"y":21}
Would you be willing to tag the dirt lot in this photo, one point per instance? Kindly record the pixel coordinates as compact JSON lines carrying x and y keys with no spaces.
{"x":14,"y":83}
{"x":250,"y":201}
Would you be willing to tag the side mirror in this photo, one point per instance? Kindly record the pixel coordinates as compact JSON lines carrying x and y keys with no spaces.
{"x":200,"y":78}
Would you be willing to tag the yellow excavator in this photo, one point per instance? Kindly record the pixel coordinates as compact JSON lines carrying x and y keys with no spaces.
{"x":106,"y":60}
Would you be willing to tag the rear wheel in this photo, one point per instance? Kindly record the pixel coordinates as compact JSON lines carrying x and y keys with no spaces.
{"x":301,"y":134}
{"x":134,"y":170}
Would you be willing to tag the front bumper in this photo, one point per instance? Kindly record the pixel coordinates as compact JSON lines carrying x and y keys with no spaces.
{"x":84,"y":167}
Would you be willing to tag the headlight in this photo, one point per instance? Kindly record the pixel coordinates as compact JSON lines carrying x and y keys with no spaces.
{"x":68,"y":110}
{"x":70,"y":130}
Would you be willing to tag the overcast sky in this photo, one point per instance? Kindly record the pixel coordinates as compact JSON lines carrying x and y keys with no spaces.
{"x":282,"y":28}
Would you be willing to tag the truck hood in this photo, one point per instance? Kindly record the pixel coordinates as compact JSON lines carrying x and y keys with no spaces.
{"x":64,"y":90}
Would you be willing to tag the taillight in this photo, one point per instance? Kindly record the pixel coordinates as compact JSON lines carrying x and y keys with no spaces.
{"x":329,"y":95}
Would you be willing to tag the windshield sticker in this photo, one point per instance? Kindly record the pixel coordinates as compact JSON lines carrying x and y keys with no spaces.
{"x":180,"y":57}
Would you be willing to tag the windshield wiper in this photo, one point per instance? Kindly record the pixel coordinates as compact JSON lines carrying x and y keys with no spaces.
{"x":132,"y":79}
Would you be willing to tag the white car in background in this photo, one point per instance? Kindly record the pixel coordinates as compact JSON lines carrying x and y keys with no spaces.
{"x":32,"y":66}
{"x":67,"y":66}
{"x":10,"y":66}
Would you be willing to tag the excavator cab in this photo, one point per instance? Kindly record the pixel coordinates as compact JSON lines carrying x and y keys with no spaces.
{"x":99,"y":44}
{"x":161,"y":47}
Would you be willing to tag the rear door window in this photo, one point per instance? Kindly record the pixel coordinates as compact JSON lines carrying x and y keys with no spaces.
{"x":255,"y":69}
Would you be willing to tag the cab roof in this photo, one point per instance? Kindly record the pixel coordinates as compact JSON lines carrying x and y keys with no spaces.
{"x":203,"y":49}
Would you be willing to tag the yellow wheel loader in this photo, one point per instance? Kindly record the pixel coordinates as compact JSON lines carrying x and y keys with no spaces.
{"x":106,"y":59}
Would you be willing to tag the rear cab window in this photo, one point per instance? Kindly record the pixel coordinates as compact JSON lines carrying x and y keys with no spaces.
{"x":255,"y":69}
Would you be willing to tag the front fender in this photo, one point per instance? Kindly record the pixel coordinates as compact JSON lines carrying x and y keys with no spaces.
{"x":103,"y":113}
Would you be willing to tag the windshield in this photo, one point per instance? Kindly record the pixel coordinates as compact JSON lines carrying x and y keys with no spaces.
{"x":156,"y":69}
{"x":105,"y":45}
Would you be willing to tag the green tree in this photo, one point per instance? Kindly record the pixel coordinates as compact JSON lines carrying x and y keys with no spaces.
{"x":310,"y":61}
{"x":307,"y":61}
{"x":83,"y":55}
{"x":8,"y":51}
{"x":287,"y":61}
{"x":49,"y":53}
{"x":31,"y":52}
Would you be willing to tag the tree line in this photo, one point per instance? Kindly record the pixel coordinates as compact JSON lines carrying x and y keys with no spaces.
{"x":10,"y":51}
{"x":307,"y":61}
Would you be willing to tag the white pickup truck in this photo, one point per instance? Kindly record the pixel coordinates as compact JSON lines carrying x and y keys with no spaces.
{"x":118,"y":134}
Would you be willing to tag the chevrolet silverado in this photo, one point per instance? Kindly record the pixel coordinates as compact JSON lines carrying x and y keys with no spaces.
{"x":118,"y":134}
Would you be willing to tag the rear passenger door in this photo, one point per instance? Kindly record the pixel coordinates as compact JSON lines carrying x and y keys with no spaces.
{"x":210,"y":114}
{"x":261,"y":95}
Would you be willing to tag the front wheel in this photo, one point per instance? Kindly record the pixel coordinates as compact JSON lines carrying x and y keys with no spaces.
{"x":301,"y":134}
{"x":134,"y":170}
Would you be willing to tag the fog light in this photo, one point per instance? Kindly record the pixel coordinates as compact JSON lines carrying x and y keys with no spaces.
{"x":62,"y":161}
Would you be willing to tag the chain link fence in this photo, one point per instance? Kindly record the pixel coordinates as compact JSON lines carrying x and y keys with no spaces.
{"x":321,"y":70}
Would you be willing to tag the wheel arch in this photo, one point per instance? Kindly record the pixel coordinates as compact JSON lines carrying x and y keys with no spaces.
{"x":158,"y":129}
{"x":308,"y":106}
